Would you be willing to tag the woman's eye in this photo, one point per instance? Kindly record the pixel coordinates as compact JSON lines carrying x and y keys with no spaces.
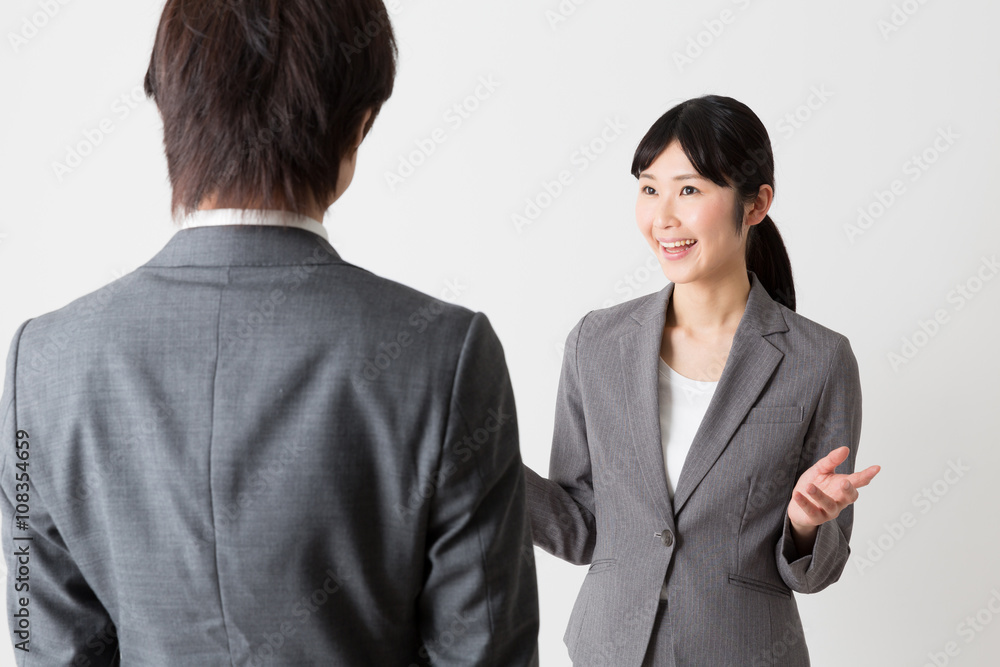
{"x":688,"y":186}
{"x":648,"y":190}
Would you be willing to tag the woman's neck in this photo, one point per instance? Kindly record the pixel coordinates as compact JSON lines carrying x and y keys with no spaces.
{"x":702,"y":306}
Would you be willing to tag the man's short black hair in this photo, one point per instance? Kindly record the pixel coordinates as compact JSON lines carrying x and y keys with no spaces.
{"x":262,"y":99}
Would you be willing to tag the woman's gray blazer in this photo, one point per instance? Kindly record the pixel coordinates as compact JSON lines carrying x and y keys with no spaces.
{"x":789,"y":393}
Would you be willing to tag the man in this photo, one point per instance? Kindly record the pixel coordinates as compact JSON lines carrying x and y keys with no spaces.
{"x":249,"y":451}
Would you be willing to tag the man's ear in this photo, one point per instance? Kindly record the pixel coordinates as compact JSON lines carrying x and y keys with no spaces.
{"x":362,"y":129}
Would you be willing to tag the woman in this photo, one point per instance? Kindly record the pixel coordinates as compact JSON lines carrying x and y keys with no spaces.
{"x":698,"y":429}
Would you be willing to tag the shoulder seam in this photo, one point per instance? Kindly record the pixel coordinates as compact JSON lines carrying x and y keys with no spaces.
{"x":576,"y":344}
{"x":16,"y":351}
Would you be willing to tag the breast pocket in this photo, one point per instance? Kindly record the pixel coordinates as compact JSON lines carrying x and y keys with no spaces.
{"x":775,"y":414}
{"x":767,"y":447}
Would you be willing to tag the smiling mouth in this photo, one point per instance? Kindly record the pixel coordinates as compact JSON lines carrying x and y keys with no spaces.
{"x":674,"y":248}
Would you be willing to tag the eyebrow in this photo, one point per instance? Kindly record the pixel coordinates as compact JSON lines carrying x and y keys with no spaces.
{"x":679,"y":177}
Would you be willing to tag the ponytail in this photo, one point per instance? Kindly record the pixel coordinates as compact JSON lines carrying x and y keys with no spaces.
{"x":767,"y":258}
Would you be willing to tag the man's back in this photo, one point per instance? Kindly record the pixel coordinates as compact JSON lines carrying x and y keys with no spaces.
{"x":248,"y":451}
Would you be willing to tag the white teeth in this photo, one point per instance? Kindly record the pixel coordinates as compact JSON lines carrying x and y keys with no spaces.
{"x":677,"y":244}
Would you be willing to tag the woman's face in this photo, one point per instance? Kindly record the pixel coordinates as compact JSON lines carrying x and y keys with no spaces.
{"x":675,"y":203}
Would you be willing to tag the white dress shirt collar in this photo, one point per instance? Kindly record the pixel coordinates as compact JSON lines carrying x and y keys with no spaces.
{"x":237,"y":216}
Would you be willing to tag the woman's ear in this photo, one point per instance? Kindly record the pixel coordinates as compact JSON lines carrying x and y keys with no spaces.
{"x":758,"y":208}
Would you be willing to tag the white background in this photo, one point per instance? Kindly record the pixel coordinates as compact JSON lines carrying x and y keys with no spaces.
{"x":885,"y":96}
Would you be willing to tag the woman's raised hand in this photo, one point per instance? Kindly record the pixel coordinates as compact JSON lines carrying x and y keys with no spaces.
{"x":820,"y":494}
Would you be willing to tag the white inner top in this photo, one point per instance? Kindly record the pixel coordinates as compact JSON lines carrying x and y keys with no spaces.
{"x":683,"y":404}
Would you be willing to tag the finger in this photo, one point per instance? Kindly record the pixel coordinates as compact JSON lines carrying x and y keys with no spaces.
{"x":814,"y":513}
{"x":818,"y":496}
{"x":829,"y":463}
{"x":863,"y":477}
{"x":850,"y":492}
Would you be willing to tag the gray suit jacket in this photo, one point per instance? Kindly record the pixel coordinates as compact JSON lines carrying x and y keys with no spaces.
{"x":249,"y":451}
{"x":788,"y":395}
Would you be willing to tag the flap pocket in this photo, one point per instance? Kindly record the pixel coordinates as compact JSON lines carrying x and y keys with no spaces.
{"x":760,"y":586}
{"x":773,"y":414}
{"x":602,"y":564}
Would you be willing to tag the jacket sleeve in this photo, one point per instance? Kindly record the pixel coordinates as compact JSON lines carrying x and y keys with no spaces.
{"x":836,"y":422}
{"x":479,"y":602}
{"x":54,"y":617}
{"x":561,"y":508}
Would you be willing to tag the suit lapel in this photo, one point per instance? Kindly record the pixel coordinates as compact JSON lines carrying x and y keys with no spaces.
{"x":751,"y":362}
{"x":640,"y":353}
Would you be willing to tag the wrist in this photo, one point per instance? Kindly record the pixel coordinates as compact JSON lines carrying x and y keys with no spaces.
{"x":802,"y":530}
{"x":804,"y":537}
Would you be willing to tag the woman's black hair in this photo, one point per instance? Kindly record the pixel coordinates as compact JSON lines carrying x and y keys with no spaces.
{"x":727,"y":144}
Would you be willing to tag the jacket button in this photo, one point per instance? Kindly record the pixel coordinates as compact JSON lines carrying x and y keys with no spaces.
{"x":666,"y":536}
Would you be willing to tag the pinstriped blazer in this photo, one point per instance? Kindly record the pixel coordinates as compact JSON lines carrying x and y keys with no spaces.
{"x":789,"y":393}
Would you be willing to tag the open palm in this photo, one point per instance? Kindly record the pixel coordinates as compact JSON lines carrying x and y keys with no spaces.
{"x":820,"y":494}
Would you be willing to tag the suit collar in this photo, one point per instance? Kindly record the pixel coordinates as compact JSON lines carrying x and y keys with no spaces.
{"x":244,"y":245}
{"x":751,"y":362}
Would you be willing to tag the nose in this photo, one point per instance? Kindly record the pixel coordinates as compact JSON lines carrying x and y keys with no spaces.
{"x":663,"y":216}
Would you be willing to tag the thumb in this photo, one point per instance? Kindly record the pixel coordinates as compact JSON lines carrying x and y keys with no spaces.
{"x":829,"y":463}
